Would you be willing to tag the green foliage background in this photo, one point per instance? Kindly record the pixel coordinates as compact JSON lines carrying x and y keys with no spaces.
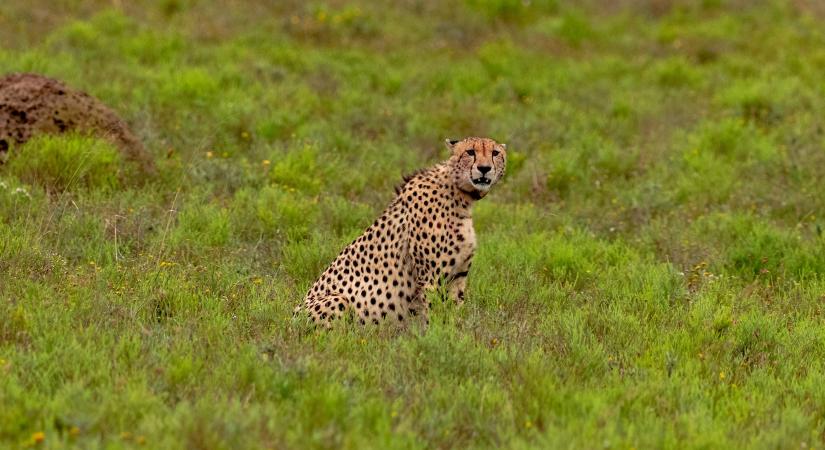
{"x":650,"y":272}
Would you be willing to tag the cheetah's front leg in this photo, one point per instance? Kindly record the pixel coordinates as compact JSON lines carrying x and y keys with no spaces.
{"x":458,"y":282}
{"x":420,"y":304}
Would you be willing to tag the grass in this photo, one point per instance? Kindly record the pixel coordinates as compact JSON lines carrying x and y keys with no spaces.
{"x":60,"y":163}
{"x":650,"y":272}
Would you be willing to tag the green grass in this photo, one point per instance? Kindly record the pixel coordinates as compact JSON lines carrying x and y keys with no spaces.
{"x":61,"y":163}
{"x":650,"y":273}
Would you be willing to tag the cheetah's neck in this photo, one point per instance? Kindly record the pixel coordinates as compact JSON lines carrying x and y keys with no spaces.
{"x":463,"y":201}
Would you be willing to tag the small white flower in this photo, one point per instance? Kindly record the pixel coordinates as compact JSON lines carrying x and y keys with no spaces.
{"x":22,"y":192}
{"x":3,"y":185}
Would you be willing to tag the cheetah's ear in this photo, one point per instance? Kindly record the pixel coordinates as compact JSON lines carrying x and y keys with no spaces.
{"x":450,"y":143}
{"x":503,"y":146}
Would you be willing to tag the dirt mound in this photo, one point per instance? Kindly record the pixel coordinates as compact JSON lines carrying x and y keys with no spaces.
{"x":32,"y":104}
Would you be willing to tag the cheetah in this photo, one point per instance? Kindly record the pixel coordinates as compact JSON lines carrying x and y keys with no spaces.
{"x":424,"y":239}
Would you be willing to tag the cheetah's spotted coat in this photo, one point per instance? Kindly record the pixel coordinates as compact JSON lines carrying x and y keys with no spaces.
{"x":423,"y":237}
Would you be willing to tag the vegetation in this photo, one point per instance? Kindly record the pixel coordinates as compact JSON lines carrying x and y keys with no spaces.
{"x":651,"y":272}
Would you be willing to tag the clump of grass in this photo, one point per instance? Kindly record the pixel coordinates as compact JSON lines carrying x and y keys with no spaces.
{"x":762,"y":101}
{"x":299,"y":169}
{"x":717,"y":159}
{"x":202,"y":226}
{"x":511,"y":10}
{"x":755,"y":250}
{"x":676,"y":72}
{"x":734,"y":139}
{"x":273,"y":211}
{"x":65,"y":162}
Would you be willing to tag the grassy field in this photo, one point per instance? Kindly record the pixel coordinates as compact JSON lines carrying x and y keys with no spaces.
{"x":650,"y":273}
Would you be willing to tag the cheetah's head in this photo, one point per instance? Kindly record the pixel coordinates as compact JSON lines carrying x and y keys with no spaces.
{"x":478,"y":164}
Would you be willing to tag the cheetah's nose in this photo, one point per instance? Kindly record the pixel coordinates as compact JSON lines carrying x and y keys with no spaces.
{"x":484,"y":169}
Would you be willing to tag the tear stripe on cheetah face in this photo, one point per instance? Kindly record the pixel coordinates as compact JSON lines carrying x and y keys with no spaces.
{"x":425,"y":235}
{"x":478,"y":164}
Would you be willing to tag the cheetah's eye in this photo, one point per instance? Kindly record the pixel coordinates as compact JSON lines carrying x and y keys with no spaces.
{"x":471,"y":152}
{"x":496,"y":153}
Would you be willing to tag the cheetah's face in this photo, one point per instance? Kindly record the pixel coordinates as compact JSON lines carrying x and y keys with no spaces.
{"x":479,"y":163}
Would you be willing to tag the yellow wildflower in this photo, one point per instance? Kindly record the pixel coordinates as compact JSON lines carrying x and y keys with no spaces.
{"x":209,"y":155}
{"x":38,"y":437}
